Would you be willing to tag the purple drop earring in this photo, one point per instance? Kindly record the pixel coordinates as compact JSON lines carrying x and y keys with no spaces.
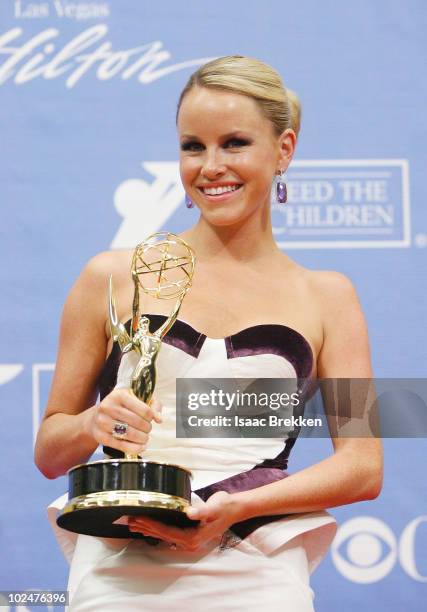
{"x":188,"y":201}
{"x":281,"y":190}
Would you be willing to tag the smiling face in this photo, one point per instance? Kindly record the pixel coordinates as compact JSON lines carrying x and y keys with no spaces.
{"x":229,"y":154}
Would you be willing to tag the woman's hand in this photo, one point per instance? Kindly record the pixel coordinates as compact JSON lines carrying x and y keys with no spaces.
{"x":215,"y":516}
{"x":122,"y":406}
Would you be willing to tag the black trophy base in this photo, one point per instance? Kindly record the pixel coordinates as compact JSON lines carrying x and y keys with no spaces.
{"x":103,"y":492}
{"x":96,"y":514}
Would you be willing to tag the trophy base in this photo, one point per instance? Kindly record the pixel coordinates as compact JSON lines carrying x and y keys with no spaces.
{"x":102,"y":492}
{"x":95,"y":513}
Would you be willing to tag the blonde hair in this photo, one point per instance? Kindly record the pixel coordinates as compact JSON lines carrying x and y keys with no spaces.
{"x":295,"y":108}
{"x":249,"y":77}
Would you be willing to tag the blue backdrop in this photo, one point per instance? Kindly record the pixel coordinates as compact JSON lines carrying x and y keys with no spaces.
{"x":89,"y":162}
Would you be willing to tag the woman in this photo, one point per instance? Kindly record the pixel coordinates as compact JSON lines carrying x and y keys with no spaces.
{"x":234,"y":130}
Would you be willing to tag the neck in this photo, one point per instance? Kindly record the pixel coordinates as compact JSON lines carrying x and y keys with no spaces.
{"x":248,"y":240}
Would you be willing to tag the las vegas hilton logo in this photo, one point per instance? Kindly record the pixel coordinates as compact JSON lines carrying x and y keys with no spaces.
{"x":24,"y":9}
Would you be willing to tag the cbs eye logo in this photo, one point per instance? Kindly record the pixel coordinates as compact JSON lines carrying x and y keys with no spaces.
{"x":372,"y":549}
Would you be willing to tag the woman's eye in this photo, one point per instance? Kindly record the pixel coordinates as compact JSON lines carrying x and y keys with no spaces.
{"x":235,"y":143}
{"x":191,"y":145}
{"x":194,"y":146}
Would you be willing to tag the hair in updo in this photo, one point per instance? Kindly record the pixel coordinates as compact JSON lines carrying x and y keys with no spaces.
{"x":295,"y":108}
{"x":249,"y":77}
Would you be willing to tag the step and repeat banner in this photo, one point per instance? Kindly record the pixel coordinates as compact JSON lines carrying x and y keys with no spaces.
{"x":88,"y":152}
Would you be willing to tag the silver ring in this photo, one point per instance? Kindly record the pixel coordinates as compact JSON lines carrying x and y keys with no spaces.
{"x":120,"y":430}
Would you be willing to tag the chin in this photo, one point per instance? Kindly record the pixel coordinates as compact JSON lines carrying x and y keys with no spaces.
{"x":224,"y":218}
{"x":227,"y":215}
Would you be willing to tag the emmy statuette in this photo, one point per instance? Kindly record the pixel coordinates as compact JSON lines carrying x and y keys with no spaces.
{"x":101,"y":492}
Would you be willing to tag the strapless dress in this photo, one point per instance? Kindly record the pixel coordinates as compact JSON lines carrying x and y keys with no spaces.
{"x":271,"y":561}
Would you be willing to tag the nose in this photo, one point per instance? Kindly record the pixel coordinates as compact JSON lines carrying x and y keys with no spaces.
{"x":213,"y":165}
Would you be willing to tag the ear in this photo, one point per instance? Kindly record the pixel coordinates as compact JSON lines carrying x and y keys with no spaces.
{"x":287,"y":142}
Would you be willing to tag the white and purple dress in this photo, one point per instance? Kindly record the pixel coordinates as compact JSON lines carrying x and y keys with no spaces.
{"x":268,"y":564}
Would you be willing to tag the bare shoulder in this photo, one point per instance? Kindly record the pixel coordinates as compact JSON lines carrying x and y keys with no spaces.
{"x":334,"y":291}
{"x":336,"y":298}
{"x":116,"y":263}
{"x":87,"y":299}
{"x":325,"y":287}
{"x":329,"y":284}
{"x":345,"y":351}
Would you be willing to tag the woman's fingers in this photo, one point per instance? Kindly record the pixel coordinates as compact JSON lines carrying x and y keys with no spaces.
{"x":187,"y":538}
{"x":123,"y":404}
{"x":168,"y":533}
{"x":123,"y":410}
{"x":122,"y":415}
{"x":126,"y":399}
{"x":126,"y":432}
{"x":157,"y":407}
{"x":125,"y":446}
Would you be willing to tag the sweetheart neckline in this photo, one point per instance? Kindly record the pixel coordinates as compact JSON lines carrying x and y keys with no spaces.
{"x":224,"y":338}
